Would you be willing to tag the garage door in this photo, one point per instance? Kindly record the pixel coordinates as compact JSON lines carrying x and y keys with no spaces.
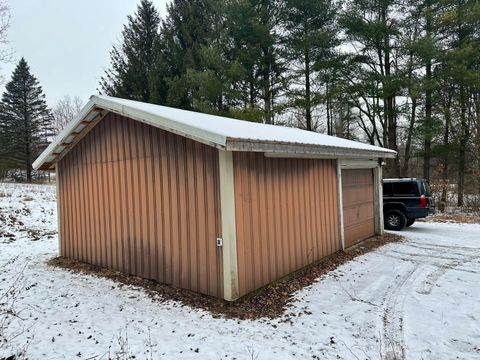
{"x":358,"y":205}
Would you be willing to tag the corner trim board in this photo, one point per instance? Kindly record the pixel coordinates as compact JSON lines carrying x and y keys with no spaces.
{"x":378,"y":193}
{"x":59,"y":217}
{"x":229,"y":229}
{"x":340,"y":204}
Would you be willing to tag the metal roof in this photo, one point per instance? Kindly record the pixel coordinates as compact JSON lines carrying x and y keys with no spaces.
{"x":221,"y":132}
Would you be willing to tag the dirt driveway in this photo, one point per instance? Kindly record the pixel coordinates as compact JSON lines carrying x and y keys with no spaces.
{"x":418,"y":299}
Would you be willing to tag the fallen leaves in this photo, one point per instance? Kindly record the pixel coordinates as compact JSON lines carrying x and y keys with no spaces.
{"x":270,"y":301}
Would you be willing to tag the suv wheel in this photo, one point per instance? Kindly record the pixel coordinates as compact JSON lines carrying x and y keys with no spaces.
{"x":410,"y":222}
{"x":395,"y":220}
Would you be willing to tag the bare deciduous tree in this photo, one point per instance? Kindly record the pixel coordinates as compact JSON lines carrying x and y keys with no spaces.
{"x":4,"y":56}
{"x":5,"y":52}
{"x":64,"y":111}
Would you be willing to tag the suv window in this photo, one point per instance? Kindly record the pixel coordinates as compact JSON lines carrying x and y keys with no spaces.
{"x":405,"y":188}
{"x":387,"y":189}
{"x":426,"y":188}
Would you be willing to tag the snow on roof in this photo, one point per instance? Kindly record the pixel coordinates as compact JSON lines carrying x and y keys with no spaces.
{"x":221,"y":132}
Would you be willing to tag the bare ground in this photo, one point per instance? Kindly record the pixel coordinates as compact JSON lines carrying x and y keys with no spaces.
{"x":454,"y":218}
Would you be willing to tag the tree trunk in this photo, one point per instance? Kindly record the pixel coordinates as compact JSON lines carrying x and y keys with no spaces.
{"x":461,"y":176}
{"x":308,"y":104}
{"x":393,"y":166}
{"x":28,"y":140}
{"x":427,"y":156}
{"x":329,"y":111}
{"x":476,"y":100}
{"x":267,"y":97}
{"x":28,"y":162}
{"x":462,"y":148}
{"x":428,"y":122}
{"x":408,"y":143}
{"x":443,"y":200}
{"x":251,"y":94}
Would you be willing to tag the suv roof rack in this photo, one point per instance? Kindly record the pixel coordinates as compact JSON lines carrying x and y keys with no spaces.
{"x":402,"y":179}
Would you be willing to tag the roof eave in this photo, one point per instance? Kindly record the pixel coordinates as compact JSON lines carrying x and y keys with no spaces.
{"x":98,"y":107}
{"x":48,"y":158}
{"x":305,"y":150}
{"x":163,"y":123}
{"x":43,"y":160}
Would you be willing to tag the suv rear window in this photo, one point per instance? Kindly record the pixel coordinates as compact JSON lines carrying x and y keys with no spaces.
{"x":405,"y":188}
{"x":426,"y":188}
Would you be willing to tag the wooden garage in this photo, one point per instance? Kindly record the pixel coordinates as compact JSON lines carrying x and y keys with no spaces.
{"x":206,"y":203}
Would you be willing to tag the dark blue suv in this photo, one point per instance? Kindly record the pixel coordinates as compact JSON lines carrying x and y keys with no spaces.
{"x":405,"y":200}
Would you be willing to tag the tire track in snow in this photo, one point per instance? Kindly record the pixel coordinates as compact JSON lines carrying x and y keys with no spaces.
{"x":453,"y":250}
{"x":443,"y":247}
{"x":392,"y":339}
{"x":432,"y":278}
{"x":431,"y":255}
{"x":430,"y":263}
{"x":442,"y":264}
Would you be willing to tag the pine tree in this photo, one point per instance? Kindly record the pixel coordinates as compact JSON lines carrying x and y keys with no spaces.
{"x":189,"y":28}
{"x":26,"y":122}
{"x":133,"y":60}
{"x":215,"y":84}
{"x":254,"y":32}
{"x":424,"y":48}
{"x":216,"y":78}
{"x":309,"y":42}
{"x":459,"y":22}
{"x":374,"y":29}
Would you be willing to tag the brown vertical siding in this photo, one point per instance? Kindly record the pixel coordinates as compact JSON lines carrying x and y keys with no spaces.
{"x":286,"y":214}
{"x":358,"y":205}
{"x":143,"y":201}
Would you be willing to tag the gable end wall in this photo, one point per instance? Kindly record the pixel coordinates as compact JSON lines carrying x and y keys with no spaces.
{"x":143,"y":201}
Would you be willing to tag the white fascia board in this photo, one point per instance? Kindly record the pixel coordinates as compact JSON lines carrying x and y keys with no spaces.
{"x":323,"y":153}
{"x":358,"y":164}
{"x":297,"y":150}
{"x":191,"y":132}
{"x":64,"y":134}
{"x":164,"y":123}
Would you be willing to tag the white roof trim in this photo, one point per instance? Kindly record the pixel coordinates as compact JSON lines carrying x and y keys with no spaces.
{"x":64,"y":135}
{"x":221,"y":132}
{"x":161,"y":122}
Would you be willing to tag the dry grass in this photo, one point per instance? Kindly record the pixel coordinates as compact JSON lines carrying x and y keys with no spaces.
{"x":271,"y":301}
{"x":455,"y":218}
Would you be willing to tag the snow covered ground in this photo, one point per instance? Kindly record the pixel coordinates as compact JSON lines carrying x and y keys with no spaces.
{"x":419,"y":299}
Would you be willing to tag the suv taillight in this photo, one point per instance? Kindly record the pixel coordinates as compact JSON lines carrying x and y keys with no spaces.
{"x":423,"y":201}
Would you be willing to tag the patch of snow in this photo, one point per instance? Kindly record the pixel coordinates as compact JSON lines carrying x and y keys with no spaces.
{"x":419,"y":299}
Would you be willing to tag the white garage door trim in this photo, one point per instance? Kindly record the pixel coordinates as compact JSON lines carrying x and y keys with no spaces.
{"x":377,"y":188}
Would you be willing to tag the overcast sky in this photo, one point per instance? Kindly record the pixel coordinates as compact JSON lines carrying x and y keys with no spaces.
{"x":67,"y":42}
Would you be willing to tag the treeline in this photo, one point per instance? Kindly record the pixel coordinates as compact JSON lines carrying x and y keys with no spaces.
{"x":399,"y":74}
